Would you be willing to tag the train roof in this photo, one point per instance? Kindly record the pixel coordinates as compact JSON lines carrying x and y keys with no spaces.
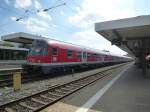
{"x":64,"y":45}
{"x":71,"y":46}
{"x":80,"y":48}
{"x":13,"y":48}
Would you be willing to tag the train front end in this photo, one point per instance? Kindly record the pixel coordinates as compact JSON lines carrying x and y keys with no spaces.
{"x":38,"y":57}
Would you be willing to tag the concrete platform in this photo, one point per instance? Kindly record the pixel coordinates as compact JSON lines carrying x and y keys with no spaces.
{"x":12,"y":62}
{"x":129,"y":93}
{"x":9,"y":66}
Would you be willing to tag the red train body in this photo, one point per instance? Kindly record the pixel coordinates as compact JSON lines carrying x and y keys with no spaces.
{"x":47,"y":54}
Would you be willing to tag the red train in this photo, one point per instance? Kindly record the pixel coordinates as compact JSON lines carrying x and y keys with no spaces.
{"x":48,"y":55}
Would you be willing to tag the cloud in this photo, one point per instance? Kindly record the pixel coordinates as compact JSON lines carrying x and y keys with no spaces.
{"x":23,"y":3}
{"x":93,"y":40}
{"x":92,"y":11}
{"x":62,"y":13}
{"x":54,"y":25}
{"x":41,"y":14}
{"x":100,"y":10}
{"x":44,"y":15}
{"x":37,"y":5}
{"x":33,"y":24}
{"x":7,"y":2}
{"x":13,"y":18}
{"x":36,"y":25}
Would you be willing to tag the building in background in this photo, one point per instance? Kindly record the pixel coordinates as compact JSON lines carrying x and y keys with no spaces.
{"x":14,"y":47}
{"x":12,"y":51}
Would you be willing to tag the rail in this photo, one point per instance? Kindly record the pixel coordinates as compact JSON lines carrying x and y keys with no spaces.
{"x":41,"y":100}
{"x":6,"y":76}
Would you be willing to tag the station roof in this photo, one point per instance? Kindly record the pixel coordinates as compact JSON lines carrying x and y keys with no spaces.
{"x":126,"y":33}
{"x":20,"y":37}
{"x":13,"y":48}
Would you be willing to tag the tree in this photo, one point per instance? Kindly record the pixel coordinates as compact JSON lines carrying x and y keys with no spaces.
{"x":7,"y":44}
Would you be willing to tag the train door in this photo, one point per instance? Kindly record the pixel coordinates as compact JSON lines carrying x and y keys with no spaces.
{"x":84,"y":56}
{"x":54,"y":55}
{"x":103,"y":58}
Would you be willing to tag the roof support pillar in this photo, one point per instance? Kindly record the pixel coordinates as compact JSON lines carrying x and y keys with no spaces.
{"x":143,"y":59}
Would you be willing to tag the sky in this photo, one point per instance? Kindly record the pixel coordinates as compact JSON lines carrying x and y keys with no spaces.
{"x":72,"y":21}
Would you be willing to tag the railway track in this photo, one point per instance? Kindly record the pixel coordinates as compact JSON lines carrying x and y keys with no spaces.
{"x":50,"y":96}
{"x":6,"y":78}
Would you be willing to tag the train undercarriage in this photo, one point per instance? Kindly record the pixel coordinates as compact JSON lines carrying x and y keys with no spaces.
{"x":63,"y":68}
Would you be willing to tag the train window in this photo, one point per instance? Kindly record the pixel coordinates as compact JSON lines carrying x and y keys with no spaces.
{"x":39,"y":48}
{"x":69,"y":53}
{"x":45,"y":51}
{"x":99,"y":55}
{"x":89,"y":55}
{"x":95,"y":55}
{"x":54,"y":51}
{"x":92,"y":55}
{"x":84,"y":54}
{"x":78,"y":54}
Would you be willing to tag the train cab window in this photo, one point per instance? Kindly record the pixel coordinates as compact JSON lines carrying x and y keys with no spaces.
{"x":69,"y":53}
{"x":54,"y":51}
{"x":78,"y":54}
{"x":45,"y":51}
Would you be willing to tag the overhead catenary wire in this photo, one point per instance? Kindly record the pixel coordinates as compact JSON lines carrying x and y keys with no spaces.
{"x":26,"y":13}
{"x":32,"y":12}
{"x":43,"y":10}
{"x":10,"y":22}
{"x":46,"y":10}
{"x":54,"y":7}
